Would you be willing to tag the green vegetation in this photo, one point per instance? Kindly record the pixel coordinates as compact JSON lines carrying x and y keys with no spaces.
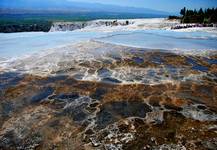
{"x":174,"y":17}
{"x":42,"y":22}
{"x":8,"y":26}
{"x":199,"y":16}
{"x":32,"y":22}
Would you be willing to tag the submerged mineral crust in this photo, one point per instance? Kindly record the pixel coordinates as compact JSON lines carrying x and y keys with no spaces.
{"x":120,"y":98}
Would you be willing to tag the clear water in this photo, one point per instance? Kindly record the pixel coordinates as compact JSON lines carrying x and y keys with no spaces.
{"x":18,"y":44}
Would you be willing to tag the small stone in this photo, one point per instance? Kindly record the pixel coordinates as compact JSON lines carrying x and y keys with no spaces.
{"x":94,"y":142}
{"x":153,"y":139}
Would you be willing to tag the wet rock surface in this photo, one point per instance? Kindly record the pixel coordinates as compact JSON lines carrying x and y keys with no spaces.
{"x":140,"y":99}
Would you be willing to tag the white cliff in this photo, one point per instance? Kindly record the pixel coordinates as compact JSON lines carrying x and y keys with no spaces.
{"x":70,"y":26}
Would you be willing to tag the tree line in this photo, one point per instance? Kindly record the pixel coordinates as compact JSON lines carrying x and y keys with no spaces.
{"x":199,"y":16}
{"x":25,"y":26}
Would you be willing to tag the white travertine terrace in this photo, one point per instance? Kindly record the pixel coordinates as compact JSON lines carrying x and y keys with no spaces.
{"x":85,"y":60}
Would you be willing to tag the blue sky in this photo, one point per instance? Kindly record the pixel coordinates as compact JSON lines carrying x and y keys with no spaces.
{"x":166,"y":5}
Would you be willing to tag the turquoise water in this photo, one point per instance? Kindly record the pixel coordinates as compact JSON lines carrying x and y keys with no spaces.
{"x":18,"y":44}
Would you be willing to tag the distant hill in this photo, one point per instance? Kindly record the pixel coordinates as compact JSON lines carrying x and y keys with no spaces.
{"x":66,"y":6}
{"x":38,"y":15}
